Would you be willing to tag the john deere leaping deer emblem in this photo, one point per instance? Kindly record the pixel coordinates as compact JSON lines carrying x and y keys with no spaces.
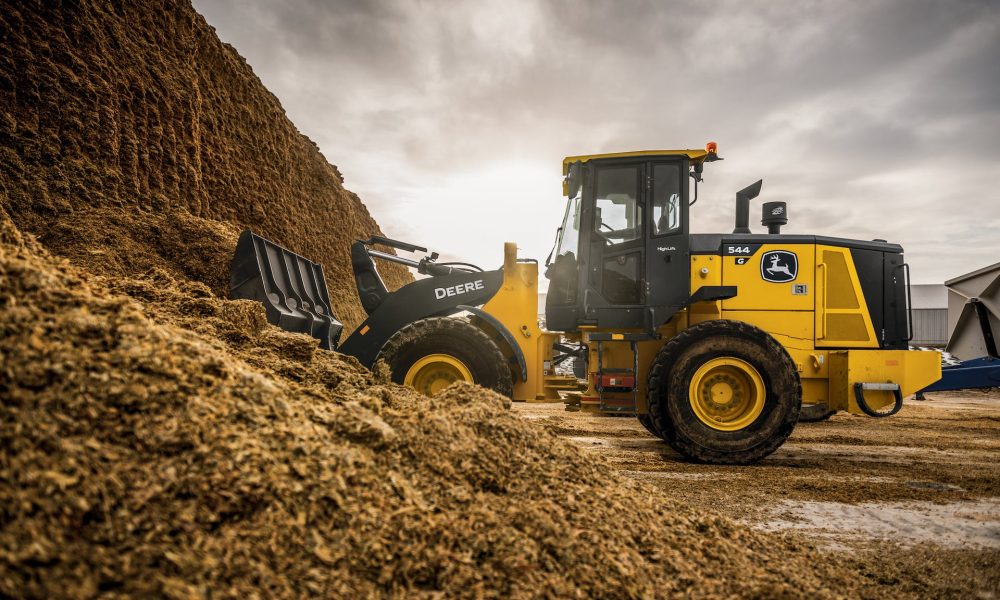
{"x":779,"y":266}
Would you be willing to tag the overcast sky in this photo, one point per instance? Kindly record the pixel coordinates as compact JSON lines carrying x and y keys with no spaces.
{"x":450,"y":119}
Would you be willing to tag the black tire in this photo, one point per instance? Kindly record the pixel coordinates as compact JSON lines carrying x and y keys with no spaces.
{"x":580,"y":367}
{"x":672,"y":412}
{"x":455,"y":337}
{"x":815,"y":413}
{"x":647,"y":422}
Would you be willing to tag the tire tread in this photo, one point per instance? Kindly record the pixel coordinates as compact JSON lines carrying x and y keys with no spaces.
{"x":414,"y":333}
{"x":658,"y":386}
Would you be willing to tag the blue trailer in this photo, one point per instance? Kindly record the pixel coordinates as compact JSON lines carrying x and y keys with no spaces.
{"x":973,"y":300}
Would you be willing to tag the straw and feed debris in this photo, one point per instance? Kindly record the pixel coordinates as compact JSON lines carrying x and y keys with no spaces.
{"x":159,"y":440}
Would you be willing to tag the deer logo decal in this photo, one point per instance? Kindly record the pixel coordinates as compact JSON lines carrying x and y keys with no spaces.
{"x":779,"y":266}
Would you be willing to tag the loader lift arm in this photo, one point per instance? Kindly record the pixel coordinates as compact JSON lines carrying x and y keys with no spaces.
{"x":371,"y":288}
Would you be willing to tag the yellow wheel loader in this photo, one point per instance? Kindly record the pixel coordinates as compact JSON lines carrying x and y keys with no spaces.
{"x":718,"y":343}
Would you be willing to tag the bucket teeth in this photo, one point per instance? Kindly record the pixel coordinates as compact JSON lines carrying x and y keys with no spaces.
{"x":291,"y":288}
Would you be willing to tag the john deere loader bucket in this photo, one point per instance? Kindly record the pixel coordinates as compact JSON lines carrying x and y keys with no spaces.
{"x":292,"y":288}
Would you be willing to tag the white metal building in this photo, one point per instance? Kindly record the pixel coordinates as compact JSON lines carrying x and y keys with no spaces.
{"x":929,"y":303}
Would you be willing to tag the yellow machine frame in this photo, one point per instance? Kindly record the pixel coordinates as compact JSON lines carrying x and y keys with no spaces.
{"x":812,"y":327}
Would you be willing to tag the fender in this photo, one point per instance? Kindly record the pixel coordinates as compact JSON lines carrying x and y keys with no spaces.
{"x":431,"y":297}
{"x":504,"y":333}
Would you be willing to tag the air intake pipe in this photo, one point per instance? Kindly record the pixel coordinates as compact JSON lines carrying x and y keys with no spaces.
{"x":773,"y":216}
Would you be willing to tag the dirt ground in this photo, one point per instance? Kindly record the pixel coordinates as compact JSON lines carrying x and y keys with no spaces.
{"x":912,"y":500}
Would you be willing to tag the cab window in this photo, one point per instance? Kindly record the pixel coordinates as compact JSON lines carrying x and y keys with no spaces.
{"x":666,"y":199}
{"x":617,"y":217}
{"x":569,"y":233}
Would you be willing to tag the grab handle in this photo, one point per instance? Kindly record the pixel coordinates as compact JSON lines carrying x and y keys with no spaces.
{"x":859,"y":396}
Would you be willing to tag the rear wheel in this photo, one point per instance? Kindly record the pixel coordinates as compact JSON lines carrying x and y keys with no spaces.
{"x":431,"y":354}
{"x":647,"y":422}
{"x":814,"y":413}
{"x":724,"y":392}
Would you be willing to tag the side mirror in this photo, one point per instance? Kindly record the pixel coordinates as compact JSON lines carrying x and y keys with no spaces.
{"x":574,"y":179}
{"x":696,"y":170}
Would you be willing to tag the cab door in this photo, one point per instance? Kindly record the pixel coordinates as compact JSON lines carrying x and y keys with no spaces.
{"x":615,"y":290}
{"x":667,"y":262}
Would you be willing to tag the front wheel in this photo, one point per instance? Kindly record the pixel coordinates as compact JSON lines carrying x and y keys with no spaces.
{"x":724,"y":392}
{"x":431,"y":354}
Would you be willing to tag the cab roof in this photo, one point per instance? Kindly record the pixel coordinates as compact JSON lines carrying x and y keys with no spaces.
{"x":694,"y":155}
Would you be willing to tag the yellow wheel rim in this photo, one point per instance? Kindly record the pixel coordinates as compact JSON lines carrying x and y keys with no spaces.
{"x":434,"y":372}
{"x":727,"y":394}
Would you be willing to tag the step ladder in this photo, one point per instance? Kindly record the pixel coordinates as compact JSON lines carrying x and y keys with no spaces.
{"x":617,"y":380}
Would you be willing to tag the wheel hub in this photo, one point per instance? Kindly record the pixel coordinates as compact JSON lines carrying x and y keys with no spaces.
{"x":722,"y":392}
{"x":727,"y":393}
{"x":435,"y":372}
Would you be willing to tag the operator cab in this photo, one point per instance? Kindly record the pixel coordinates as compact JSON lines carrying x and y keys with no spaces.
{"x":620,"y":258}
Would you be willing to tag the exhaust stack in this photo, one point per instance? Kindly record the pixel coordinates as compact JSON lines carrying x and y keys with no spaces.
{"x":743,"y":198}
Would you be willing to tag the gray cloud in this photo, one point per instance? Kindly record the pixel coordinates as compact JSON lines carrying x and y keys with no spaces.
{"x":450,"y":119}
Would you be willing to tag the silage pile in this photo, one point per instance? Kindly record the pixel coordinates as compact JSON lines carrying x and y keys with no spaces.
{"x":133,"y":116}
{"x":159,"y":440}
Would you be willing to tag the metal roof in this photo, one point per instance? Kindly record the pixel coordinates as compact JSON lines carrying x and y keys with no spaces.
{"x":976,"y":273}
{"x":695,"y":155}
